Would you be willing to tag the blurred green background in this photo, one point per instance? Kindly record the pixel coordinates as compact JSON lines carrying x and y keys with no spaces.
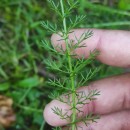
{"x":22,"y":71}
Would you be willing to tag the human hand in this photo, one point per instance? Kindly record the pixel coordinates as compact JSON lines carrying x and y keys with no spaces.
{"x":113,"y":103}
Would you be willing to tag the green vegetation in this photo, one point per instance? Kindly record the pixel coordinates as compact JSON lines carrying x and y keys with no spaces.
{"x":23,"y":74}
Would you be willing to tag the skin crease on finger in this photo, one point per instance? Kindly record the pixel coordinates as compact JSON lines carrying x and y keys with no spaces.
{"x":113,"y":45}
{"x":114,"y":96}
{"x":114,"y":121}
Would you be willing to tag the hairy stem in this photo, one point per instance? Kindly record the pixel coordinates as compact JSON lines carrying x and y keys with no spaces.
{"x":72,"y":77}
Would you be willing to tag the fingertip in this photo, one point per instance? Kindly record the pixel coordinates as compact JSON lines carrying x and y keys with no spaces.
{"x":90,"y":43}
{"x":55,"y":39}
{"x":50,"y":117}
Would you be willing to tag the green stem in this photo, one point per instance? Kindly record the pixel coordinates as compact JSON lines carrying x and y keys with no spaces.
{"x":26,"y":108}
{"x":24,"y":96}
{"x":42,"y":126}
{"x":72,"y":78}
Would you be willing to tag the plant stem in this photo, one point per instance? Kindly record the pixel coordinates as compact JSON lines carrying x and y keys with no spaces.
{"x":29,"y":108}
{"x":42,"y":126}
{"x":72,"y":77}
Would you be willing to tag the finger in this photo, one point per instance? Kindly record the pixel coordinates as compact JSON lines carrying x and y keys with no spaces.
{"x":114,"y":96}
{"x":114,"y":46}
{"x":114,"y":121}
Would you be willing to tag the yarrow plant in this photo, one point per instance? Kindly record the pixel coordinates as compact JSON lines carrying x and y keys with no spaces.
{"x":69,"y":68}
